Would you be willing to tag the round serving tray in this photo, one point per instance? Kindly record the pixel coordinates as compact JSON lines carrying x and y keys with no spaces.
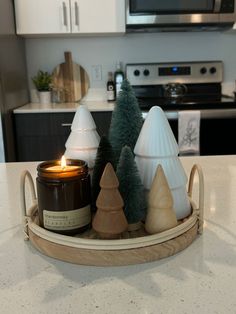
{"x":133,"y":248}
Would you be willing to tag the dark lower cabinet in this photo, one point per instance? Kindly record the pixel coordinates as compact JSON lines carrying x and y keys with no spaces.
{"x":42,"y":136}
{"x":216,"y":135}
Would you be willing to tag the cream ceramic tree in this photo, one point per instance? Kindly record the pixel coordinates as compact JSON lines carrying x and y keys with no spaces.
{"x":156,"y":144}
{"x":83,"y":140}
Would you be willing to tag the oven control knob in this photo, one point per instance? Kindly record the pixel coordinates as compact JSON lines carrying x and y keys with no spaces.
{"x":146,"y":72}
{"x":203,"y":70}
{"x":136,"y":73}
{"x":213,"y":70}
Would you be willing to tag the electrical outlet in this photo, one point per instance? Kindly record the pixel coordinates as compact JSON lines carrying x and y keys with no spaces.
{"x":96,"y":72}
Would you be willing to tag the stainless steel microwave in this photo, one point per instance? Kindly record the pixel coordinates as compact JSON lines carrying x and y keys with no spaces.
{"x":171,"y":15}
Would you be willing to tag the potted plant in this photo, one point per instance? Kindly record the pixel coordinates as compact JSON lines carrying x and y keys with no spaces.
{"x":43,"y":84}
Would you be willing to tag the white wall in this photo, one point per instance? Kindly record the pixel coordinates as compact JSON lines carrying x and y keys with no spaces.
{"x":46,"y":53}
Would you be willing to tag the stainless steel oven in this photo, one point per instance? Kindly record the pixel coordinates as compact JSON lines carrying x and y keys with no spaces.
{"x":179,"y":87}
{"x":145,"y":15}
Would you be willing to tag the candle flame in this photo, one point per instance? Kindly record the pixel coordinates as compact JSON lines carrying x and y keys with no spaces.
{"x":63,"y":162}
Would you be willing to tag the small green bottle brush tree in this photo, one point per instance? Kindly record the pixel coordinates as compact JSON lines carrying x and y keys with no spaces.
{"x":126,"y":120}
{"x":131,"y":189}
{"x":103,"y":156}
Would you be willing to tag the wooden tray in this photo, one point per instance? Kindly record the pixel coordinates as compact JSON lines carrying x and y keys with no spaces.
{"x":132,"y":248}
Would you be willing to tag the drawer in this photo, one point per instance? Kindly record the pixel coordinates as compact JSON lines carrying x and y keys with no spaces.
{"x":41,"y":124}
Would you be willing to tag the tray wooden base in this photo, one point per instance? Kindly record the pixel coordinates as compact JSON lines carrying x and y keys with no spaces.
{"x":114,"y":257}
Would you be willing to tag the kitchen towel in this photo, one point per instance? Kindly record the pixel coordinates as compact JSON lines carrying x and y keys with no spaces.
{"x":189,"y":132}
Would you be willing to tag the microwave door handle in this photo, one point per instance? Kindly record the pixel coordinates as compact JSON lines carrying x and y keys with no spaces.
{"x":217,"y":6}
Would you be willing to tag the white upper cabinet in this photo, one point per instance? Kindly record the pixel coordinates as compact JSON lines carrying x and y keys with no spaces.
{"x":45,"y":17}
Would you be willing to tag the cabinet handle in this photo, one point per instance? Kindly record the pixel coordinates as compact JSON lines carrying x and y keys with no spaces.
{"x":66,"y":124}
{"x":76,"y":14}
{"x":64,"y":14}
{"x":217,"y":6}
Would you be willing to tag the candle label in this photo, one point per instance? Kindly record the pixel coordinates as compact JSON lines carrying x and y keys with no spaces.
{"x":67,"y":220}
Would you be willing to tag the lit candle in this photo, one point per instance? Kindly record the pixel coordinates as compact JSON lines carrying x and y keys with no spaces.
{"x":63,"y":189}
{"x":62,"y":167}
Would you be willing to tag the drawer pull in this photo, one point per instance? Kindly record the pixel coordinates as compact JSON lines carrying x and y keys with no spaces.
{"x":66,"y":124}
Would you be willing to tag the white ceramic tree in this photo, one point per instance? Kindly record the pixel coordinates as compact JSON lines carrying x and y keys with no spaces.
{"x":156,"y":145}
{"x":83,"y":140}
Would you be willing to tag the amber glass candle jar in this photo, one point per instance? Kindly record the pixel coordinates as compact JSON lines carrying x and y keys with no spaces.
{"x":64,"y":196}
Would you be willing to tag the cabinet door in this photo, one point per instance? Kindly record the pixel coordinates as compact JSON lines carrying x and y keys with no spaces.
{"x":41,"y":136}
{"x":42,"y":16}
{"x":98,"y":16}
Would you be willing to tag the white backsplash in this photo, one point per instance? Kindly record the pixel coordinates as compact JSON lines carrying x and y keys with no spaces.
{"x":47,"y":53}
{"x":95,"y":94}
{"x":228,"y":88}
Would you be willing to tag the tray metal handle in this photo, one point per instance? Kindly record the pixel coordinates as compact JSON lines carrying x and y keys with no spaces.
{"x":26,"y":213}
{"x":197,"y":168}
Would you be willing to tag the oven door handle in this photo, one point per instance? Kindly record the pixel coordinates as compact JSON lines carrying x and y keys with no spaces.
{"x":218,"y":113}
{"x":227,"y":113}
{"x":217,"y":6}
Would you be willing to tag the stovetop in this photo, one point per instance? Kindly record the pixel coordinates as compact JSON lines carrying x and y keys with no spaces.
{"x":197,"y":85}
{"x":188,"y":103}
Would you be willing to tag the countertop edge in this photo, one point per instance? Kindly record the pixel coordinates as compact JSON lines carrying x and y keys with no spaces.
{"x":93,"y":106}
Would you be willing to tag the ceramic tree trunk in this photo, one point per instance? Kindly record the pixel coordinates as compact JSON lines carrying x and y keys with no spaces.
{"x":109,"y":221}
{"x":156,"y":145}
{"x":160,"y":215}
{"x":83,"y":140}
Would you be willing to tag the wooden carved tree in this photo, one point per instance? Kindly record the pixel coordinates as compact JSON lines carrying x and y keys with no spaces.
{"x":104,"y":155}
{"x":126,"y":120}
{"x":161,"y":215}
{"x":109,"y":221}
{"x":131,"y":189}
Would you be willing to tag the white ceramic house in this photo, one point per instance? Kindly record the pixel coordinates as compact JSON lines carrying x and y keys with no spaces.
{"x":156,"y":145}
{"x":83,"y":140}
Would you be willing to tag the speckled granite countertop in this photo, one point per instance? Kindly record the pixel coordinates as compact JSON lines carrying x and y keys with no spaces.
{"x":200,"y":279}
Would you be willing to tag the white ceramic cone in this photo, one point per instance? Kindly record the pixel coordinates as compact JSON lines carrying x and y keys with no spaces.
{"x":83,"y":140}
{"x":156,"y":144}
{"x":156,"y":138}
{"x":83,"y":120}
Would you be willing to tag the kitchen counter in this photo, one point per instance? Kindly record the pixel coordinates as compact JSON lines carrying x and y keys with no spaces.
{"x":200,"y":279}
{"x":64,"y":107}
{"x":100,"y":106}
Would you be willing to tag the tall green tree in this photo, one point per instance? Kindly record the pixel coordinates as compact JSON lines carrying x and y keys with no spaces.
{"x":126,"y":120}
{"x":131,"y":188}
{"x":104,"y":155}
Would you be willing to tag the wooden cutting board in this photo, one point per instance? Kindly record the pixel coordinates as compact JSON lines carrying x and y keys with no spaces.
{"x":70,"y":79}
